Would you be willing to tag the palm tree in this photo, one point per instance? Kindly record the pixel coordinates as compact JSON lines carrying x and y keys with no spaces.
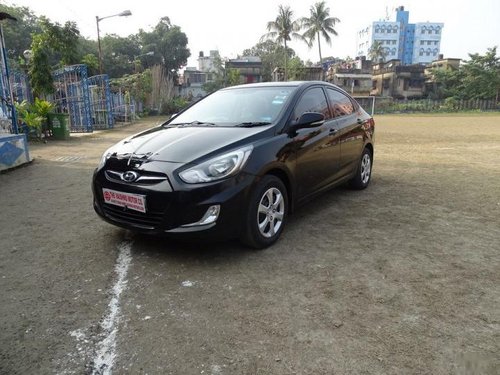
{"x":319,"y":24}
{"x":377,"y":53}
{"x":282,"y":29}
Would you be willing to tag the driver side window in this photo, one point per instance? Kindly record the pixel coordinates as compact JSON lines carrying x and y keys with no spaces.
{"x":313,"y":100}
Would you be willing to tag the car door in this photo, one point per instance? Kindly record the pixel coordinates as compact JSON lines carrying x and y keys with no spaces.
{"x":349,"y":128}
{"x":318,"y":149}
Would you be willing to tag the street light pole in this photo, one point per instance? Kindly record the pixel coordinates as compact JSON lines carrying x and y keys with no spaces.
{"x":99,"y":44}
{"x":98,"y":19}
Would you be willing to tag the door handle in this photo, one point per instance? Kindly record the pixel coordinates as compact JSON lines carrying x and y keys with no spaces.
{"x":333,"y":131}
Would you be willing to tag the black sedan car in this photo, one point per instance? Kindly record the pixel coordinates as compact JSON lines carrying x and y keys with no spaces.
{"x":237,"y":162}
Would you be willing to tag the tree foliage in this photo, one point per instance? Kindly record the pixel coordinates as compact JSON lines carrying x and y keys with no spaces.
{"x":168,"y":43}
{"x":282,"y":30}
{"x":377,"y":52}
{"x":138,"y":85}
{"x":53,"y":47}
{"x":218,"y":76}
{"x":271,"y":54}
{"x":118,"y":54}
{"x":296,"y":69}
{"x":17,"y":34}
{"x":476,"y":78}
{"x":481,"y":75}
{"x":319,"y":24}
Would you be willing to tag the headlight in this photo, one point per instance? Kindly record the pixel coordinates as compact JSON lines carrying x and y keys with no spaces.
{"x":218,"y":167}
{"x":104,"y":158}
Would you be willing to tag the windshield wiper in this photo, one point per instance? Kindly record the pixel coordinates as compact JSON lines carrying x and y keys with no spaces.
{"x":192,"y":123}
{"x":252,"y":124}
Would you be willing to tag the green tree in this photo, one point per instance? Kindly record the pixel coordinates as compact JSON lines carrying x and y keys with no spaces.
{"x":476,"y":78}
{"x":296,"y":69}
{"x":377,"y":53}
{"x":92,"y":63}
{"x":319,"y":24}
{"x":481,"y":76}
{"x":17,"y":35}
{"x":168,"y":43}
{"x":271,"y":55}
{"x":446,"y":82}
{"x":282,"y":30}
{"x":54,"y":47}
{"x":218,"y":76}
{"x":40,"y":70}
{"x":118,"y":54}
{"x":138,"y":85}
{"x":61,"y":40}
{"x":233,"y":77}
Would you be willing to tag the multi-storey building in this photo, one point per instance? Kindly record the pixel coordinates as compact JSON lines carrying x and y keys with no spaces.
{"x":192,"y":81}
{"x":411,"y":43}
{"x":249,"y":68}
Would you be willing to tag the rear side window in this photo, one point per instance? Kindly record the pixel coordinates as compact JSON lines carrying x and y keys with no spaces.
{"x":341,"y":105}
{"x":313,"y":100}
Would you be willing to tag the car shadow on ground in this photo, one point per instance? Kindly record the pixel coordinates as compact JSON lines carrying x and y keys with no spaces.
{"x":195,"y":249}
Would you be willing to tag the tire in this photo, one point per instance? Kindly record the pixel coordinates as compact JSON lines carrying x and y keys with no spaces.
{"x":364,"y":171}
{"x":266,"y":213}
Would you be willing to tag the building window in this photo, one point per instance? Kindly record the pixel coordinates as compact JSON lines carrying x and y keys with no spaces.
{"x":428,"y":42}
{"x":421,"y":53}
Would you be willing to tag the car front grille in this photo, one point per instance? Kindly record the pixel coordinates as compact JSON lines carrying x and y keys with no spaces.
{"x":144,"y":177}
{"x":149,"y":220}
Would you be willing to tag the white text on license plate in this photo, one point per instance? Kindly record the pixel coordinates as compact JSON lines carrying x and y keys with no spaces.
{"x":134,"y":202}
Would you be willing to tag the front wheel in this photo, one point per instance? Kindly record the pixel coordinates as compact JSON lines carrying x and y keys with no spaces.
{"x":266,"y":213}
{"x":364,"y":171}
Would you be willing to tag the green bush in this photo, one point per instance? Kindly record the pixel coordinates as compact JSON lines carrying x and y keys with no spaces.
{"x":174,"y":105}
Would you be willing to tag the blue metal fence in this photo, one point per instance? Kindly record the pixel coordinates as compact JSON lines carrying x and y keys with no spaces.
{"x":100,"y":102}
{"x":72,"y":97}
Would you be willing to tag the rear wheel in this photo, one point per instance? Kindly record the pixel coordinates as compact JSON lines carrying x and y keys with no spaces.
{"x":266,"y":213}
{"x":364,"y":171}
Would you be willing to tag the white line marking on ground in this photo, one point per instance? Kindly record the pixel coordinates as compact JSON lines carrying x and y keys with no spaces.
{"x":106,"y":349}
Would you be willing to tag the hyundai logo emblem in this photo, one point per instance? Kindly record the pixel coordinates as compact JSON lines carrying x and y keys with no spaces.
{"x":130,"y":176}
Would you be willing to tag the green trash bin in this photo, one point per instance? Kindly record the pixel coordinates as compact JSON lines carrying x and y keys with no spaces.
{"x":58,"y":122}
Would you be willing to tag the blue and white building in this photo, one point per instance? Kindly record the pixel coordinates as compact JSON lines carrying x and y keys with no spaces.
{"x":412,"y":43}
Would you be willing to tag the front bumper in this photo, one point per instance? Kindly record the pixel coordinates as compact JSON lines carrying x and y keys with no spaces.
{"x":176,"y":208}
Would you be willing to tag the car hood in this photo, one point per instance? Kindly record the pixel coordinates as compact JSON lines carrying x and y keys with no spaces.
{"x":181,"y":144}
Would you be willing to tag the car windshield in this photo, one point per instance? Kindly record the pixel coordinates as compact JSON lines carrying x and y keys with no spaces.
{"x":244,"y":107}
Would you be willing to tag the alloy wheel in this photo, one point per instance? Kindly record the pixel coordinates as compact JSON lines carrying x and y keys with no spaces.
{"x":271,"y":212}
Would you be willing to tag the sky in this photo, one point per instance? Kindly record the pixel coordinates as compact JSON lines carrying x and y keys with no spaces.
{"x":230,"y":26}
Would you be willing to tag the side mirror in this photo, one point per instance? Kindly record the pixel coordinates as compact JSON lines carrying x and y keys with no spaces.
{"x":308,"y":120}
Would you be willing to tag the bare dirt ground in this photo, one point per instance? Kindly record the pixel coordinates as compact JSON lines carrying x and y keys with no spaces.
{"x":402,"y":278}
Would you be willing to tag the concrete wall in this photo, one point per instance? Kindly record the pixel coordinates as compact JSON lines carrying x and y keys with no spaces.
{"x":13,"y":151}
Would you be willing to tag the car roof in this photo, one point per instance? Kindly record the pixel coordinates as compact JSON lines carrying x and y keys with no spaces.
{"x":279,"y":84}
